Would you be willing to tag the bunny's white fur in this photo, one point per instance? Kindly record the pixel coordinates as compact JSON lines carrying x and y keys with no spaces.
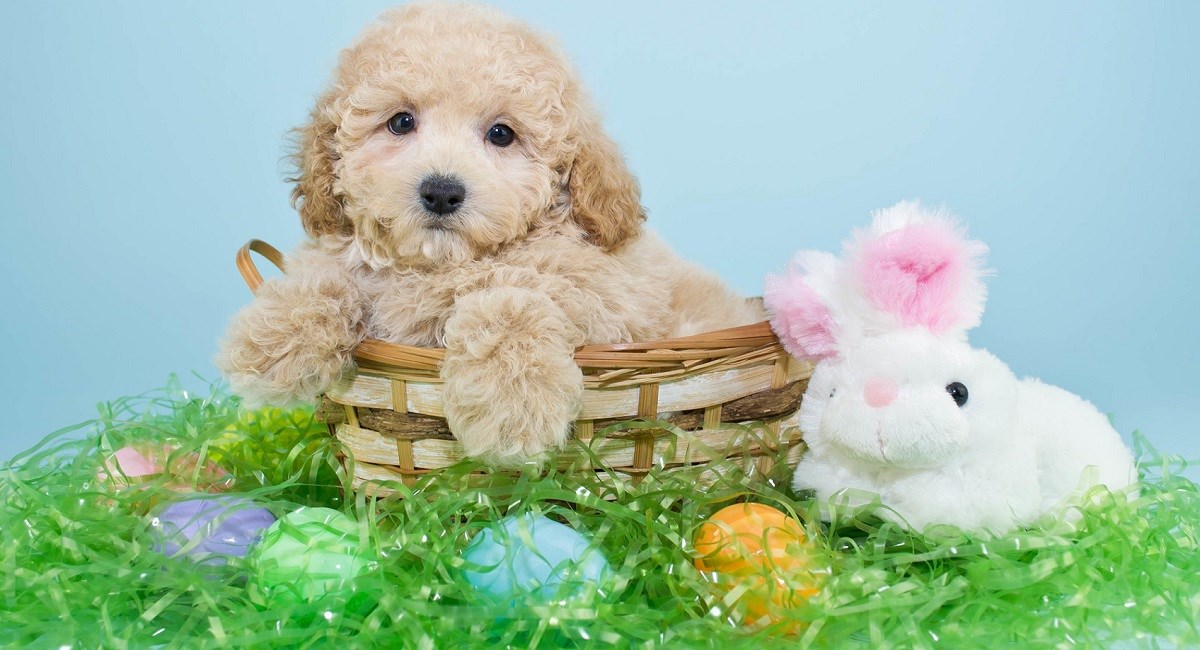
{"x":887,"y":324}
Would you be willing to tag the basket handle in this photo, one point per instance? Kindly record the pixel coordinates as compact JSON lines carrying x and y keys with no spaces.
{"x":245,"y":263}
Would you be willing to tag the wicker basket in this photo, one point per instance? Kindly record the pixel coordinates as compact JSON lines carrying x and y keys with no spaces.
{"x":389,"y":412}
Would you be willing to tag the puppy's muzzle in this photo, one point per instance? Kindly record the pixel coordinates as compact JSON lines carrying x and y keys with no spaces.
{"x":441,"y":194}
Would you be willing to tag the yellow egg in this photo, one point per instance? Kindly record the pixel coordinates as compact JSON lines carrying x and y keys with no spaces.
{"x":761,"y":548}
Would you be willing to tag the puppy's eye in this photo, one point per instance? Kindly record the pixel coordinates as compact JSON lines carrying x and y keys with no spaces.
{"x":500,"y":135}
{"x":832,"y":393}
{"x":958,"y":392}
{"x":401,"y":123}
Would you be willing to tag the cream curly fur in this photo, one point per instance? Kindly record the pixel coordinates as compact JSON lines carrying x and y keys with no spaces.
{"x":546,"y":253}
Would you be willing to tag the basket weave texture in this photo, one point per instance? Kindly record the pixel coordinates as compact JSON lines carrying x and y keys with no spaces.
{"x":389,"y":411}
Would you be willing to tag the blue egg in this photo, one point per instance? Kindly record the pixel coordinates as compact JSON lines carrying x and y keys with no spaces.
{"x":532,"y":554}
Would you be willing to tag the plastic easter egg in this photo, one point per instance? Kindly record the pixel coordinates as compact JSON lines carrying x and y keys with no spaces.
{"x":140,"y":463}
{"x":209,"y":529}
{"x":532,"y":554}
{"x":130,"y":463}
{"x":310,"y":553}
{"x":760,"y":548}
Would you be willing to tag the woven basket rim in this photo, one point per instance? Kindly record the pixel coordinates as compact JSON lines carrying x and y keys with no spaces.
{"x":677,"y":352}
{"x":611,"y":355}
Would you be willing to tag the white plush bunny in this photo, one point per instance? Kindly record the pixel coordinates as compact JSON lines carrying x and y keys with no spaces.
{"x":901,"y":406}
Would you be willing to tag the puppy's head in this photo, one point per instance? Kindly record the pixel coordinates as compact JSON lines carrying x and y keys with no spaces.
{"x":450,"y":131}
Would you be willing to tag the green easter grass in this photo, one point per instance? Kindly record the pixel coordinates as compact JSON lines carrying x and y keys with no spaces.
{"x":78,"y":570}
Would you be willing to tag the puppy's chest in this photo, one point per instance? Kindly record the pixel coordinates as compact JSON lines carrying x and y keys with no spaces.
{"x":409,"y":309}
{"x":412,"y":308}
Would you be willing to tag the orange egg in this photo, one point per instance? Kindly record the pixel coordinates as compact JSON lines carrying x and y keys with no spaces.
{"x":761,"y":548}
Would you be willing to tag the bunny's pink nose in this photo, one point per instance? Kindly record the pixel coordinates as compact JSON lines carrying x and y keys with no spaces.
{"x":880,"y":392}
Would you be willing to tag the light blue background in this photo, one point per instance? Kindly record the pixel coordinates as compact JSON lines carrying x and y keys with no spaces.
{"x":141,"y":144}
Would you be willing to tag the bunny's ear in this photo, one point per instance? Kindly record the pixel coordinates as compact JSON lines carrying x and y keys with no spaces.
{"x":917,"y":266}
{"x":799,"y":307}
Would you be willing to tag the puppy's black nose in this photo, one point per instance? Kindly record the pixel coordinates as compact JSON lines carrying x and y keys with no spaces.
{"x":442,"y":195}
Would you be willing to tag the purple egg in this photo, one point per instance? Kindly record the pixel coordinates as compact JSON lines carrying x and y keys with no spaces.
{"x":209,"y":528}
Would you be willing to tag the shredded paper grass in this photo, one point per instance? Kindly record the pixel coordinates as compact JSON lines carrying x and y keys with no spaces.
{"x":80,"y":568}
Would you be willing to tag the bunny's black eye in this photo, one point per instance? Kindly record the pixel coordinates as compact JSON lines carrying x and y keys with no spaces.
{"x":832,"y":393}
{"x":500,"y":135}
{"x":958,"y":392}
{"x":401,"y":123}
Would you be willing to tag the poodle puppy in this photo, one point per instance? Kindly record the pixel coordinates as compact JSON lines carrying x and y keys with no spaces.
{"x":459,"y":191}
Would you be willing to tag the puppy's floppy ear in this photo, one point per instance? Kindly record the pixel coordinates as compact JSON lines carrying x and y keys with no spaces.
{"x":605,"y":197}
{"x":320,"y":210}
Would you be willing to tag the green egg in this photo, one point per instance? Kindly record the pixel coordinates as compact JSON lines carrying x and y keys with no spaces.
{"x":310,"y":554}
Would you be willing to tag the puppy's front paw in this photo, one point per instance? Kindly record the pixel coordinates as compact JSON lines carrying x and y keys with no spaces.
{"x":512,"y":388}
{"x":263,"y":376}
{"x":506,"y":425}
{"x":286,"y":351}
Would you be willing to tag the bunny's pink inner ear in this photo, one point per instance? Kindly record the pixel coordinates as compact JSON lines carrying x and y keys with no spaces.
{"x":800,"y":317}
{"x":925,"y":274}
